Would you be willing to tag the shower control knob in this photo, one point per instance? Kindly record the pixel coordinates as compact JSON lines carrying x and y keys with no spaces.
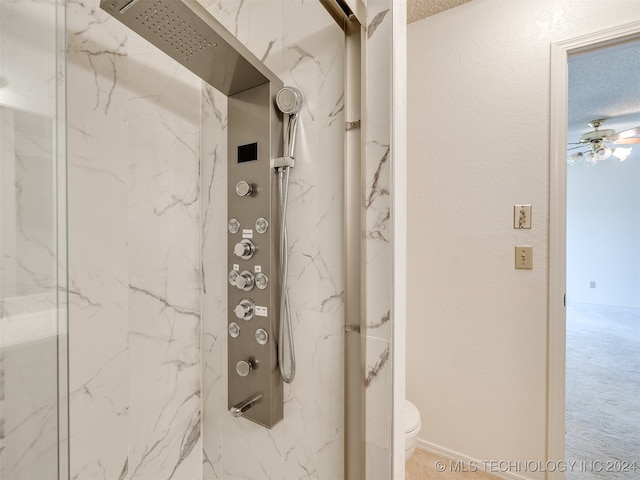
{"x":233,"y":276}
{"x":244,"y":367}
{"x":245,"y":281}
{"x":245,"y":309}
{"x":244,"y":249}
{"x":243,"y":188}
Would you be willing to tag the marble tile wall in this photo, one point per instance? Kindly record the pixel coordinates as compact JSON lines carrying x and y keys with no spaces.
{"x":28,"y":387}
{"x":2,"y":410}
{"x":378,"y":285}
{"x":136,"y":262}
{"x":147,"y":206}
{"x":134,"y":255}
{"x":28,"y":211}
{"x":302,"y":45}
{"x":29,"y":269}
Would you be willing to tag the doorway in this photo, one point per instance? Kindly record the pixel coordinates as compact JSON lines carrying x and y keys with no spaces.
{"x":603,"y":265}
{"x":593,"y":362}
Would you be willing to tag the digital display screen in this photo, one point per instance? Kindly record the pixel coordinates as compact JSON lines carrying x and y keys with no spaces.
{"x":248,"y":152}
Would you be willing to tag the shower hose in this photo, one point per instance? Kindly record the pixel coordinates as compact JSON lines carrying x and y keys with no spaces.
{"x":285,"y":334}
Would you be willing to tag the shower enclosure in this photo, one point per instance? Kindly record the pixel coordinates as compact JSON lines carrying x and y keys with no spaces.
{"x":146,"y":174}
{"x":33,"y":284}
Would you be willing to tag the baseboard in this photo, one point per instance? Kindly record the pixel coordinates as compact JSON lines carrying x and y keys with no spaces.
{"x":467,"y":461}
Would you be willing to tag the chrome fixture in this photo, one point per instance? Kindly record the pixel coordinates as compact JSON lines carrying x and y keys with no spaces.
{"x":262,"y":225}
{"x":233,"y":226}
{"x":234,"y":330}
{"x":289,"y":101}
{"x":261,"y":281}
{"x":262,"y":336}
{"x":188,"y":33}
{"x":245,"y":309}
{"x":244,"y":367}
{"x":239,"y":409}
{"x":245,"y":281}
{"x":244,"y":188}
{"x":244,"y":249}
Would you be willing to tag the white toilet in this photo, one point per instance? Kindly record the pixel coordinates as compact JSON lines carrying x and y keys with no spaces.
{"x":412,"y":426}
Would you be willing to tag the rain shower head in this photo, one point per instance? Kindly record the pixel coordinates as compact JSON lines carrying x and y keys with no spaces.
{"x":187,"y":32}
{"x":289,"y":100}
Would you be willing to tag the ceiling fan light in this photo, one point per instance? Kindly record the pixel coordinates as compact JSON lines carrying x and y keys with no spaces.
{"x":591,"y":159}
{"x":602,"y":152}
{"x":621,"y":153}
{"x":574,"y":158}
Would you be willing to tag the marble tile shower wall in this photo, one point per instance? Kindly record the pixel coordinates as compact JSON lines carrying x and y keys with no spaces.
{"x":147,"y":176}
{"x":28,"y":387}
{"x":134,"y":255}
{"x":378,"y":240}
{"x":28,"y":391}
{"x":300,"y":43}
{"x":29,"y":283}
{"x":28,"y":264}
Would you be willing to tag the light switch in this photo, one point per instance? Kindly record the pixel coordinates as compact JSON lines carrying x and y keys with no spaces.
{"x":522,"y":216}
{"x":524,"y":257}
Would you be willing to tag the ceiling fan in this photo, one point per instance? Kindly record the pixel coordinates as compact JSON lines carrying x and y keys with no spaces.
{"x":594,"y":144}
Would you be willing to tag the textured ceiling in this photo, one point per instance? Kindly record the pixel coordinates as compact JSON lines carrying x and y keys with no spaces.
{"x":419,"y":9}
{"x":603,"y":83}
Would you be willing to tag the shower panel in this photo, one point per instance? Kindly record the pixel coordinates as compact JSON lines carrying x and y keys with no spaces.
{"x":255,"y":385}
{"x":185,"y":31}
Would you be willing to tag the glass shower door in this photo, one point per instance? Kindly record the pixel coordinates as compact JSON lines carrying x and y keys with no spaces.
{"x":33,"y":372}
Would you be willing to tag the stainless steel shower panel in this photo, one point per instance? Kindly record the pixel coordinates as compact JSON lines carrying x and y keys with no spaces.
{"x":255,"y":386}
{"x":187,"y":32}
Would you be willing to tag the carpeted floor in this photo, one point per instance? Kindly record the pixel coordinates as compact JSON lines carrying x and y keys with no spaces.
{"x":603,"y":392}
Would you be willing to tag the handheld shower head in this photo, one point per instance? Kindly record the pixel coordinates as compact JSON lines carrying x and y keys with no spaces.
{"x":289,"y":100}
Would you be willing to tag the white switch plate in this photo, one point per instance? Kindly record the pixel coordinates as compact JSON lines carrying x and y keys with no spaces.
{"x":522,"y":216}
{"x":524,"y":257}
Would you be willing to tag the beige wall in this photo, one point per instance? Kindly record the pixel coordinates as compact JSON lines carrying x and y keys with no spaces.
{"x":478,"y":128}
